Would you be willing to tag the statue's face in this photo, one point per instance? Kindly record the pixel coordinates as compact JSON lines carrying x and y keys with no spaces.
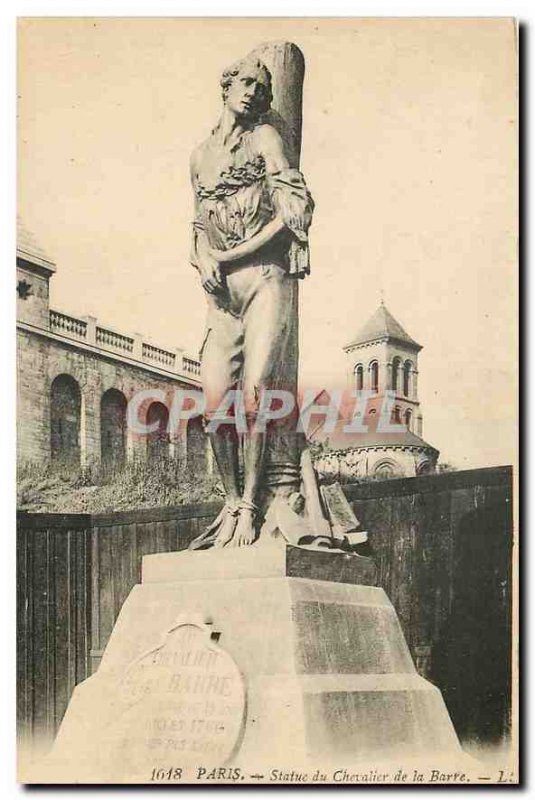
{"x":247,"y":92}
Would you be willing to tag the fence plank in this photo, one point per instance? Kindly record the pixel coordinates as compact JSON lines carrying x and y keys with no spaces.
{"x":24,"y":638}
{"x":63,"y":635}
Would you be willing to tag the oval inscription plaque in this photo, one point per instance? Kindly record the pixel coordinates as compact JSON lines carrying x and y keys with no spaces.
{"x":182,"y":702}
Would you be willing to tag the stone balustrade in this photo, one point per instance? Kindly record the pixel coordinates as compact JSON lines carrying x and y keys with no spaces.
{"x":153,"y":353}
{"x":114,"y":340}
{"x":67,"y":326}
{"x":105,"y":338}
{"x":191,"y":365}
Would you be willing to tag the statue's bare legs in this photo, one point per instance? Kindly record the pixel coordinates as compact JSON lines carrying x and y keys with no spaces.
{"x":224,"y":443}
{"x":254,"y":449}
{"x":237,"y":521}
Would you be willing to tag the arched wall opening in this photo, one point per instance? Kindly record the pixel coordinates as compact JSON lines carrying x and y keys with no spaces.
{"x":407,"y":370}
{"x":65,"y":421}
{"x":158,"y":439}
{"x":113,"y":428}
{"x":374,"y":376}
{"x":197,"y":441}
{"x":396,"y":365}
{"x":359,"y":377}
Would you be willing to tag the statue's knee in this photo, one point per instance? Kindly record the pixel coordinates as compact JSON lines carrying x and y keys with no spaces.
{"x":216,"y":422}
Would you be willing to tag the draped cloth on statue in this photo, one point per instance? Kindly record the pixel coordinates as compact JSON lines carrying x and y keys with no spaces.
{"x":235,"y":204}
{"x":251,"y":338}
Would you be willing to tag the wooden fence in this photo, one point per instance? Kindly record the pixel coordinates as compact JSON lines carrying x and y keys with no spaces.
{"x":53,"y":618}
{"x":443,"y":546}
{"x":118,"y":543}
{"x":444,"y":551}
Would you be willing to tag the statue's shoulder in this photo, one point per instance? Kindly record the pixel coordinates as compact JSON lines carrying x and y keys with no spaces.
{"x":266,"y":135}
{"x":198,"y":159}
{"x":197,"y":154}
{"x":269,"y":144}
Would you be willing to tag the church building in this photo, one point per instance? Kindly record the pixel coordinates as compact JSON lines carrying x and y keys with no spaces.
{"x":387,"y":439}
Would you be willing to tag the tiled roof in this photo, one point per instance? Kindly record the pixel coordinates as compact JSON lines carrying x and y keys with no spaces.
{"x":382,"y":325}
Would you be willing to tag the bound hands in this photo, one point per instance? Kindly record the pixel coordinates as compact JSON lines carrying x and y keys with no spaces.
{"x":210,"y":270}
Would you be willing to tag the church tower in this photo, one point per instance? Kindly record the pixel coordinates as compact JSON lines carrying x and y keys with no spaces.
{"x":383,"y":357}
{"x":387,"y":442}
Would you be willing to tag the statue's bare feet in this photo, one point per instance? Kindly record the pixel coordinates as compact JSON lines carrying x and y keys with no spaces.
{"x":244,"y":533}
{"x":226,"y":529}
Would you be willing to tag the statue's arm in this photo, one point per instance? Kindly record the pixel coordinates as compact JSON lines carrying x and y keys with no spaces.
{"x":270,"y":146}
{"x":260,"y":239}
{"x":202,"y":257}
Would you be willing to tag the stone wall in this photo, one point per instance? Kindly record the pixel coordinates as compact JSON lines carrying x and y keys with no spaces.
{"x":33,"y":293}
{"x":33,"y":398}
{"x":42,"y":358}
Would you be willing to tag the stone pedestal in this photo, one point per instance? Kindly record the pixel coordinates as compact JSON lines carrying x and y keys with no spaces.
{"x":327,"y":674}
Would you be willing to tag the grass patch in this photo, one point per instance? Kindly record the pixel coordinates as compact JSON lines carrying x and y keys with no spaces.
{"x":56,"y":488}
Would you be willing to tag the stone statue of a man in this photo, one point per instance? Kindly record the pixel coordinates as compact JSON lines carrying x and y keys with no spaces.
{"x":250,"y":244}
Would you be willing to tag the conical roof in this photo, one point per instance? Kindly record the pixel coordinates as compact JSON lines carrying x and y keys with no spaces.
{"x":30,"y":250}
{"x":382,"y":325}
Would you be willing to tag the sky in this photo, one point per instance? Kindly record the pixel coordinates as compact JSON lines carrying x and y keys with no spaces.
{"x":409,"y":149}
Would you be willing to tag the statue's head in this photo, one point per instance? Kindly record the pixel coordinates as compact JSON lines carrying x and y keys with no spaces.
{"x":246,"y":88}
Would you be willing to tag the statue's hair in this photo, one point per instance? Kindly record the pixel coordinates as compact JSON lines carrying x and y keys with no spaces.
{"x":251,"y":61}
